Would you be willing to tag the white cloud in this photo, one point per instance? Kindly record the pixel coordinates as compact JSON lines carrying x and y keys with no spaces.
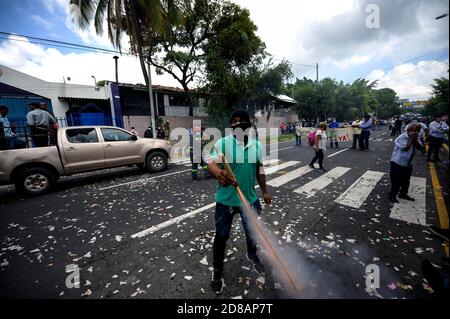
{"x":330,"y":31}
{"x":411,"y":80}
{"x":52,"y":65}
{"x":42,"y":22}
{"x":53,"y":5}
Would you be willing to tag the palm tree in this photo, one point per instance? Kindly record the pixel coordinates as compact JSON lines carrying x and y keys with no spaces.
{"x":129,"y":16}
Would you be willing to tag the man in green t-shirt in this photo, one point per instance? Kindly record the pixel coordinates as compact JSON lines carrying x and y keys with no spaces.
{"x":245,"y":158}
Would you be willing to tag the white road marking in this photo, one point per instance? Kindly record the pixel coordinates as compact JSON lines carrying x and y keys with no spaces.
{"x":273,"y":169}
{"x":412,"y":212}
{"x":383,"y":134}
{"x":142,"y":180}
{"x":172,"y":221}
{"x":283,"y":179}
{"x":321,"y":182}
{"x":282,"y":149}
{"x":378,"y":140}
{"x":271,"y":161}
{"x":336,"y":153}
{"x":358,"y":192}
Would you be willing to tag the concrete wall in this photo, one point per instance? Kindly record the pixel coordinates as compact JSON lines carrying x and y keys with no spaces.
{"x":142,"y":122}
{"x":51,"y":90}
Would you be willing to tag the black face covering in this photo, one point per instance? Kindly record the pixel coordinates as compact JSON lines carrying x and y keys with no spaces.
{"x":242,"y":126}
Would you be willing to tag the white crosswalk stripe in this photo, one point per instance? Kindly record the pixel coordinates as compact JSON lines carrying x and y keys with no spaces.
{"x":275,"y":168}
{"x":285,"y":178}
{"x":358,"y":192}
{"x":412,"y":212}
{"x":321,"y":182}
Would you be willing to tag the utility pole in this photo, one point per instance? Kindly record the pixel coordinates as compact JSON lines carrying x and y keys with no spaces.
{"x":150,"y":93}
{"x":317,"y":72}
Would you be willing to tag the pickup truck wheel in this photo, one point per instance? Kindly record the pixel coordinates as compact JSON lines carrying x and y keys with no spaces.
{"x":156,"y":161}
{"x":35,"y":181}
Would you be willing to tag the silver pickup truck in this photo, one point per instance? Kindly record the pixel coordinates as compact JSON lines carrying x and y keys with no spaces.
{"x":80,"y":149}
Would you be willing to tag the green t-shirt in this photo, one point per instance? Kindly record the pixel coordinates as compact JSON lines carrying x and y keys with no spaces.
{"x":244,"y":161}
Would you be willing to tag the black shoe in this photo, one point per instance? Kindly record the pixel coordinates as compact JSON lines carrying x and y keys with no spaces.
{"x":433,"y":277}
{"x":257,"y":264}
{"x":406,"y":197}
{"x":323,"y":169}
{"x":393,"y":199}
{"x":217,"y":282}
{"x":194,"y":177}
{"x":311,"y":166}
{"x":439,"y":232}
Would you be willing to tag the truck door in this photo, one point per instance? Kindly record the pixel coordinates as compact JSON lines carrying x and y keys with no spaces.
{"x":82,"y":150}
{"x":121,"y":147}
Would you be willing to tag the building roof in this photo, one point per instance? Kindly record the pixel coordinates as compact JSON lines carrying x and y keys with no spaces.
{"x":11,"y":91}
{"x":154,"y":87}
{"x":285,"y":98}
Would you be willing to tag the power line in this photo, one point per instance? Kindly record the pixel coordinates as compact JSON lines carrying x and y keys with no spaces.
{"x":413,"y":70}
{"x":60,"y":42}
{"x":61,"y":46}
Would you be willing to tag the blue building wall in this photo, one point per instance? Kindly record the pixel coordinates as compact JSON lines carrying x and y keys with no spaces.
{"x":18,"y":107}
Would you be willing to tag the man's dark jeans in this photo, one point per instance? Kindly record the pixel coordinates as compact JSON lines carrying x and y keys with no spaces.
{"x":400,"y":179}
{"x":364,"y":144}
{"x":356,"y":139}
{"x":224,"y":219}
{"x":434,"y":147}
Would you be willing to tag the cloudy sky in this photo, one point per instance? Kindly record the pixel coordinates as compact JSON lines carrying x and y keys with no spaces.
{"x":407,"y":50}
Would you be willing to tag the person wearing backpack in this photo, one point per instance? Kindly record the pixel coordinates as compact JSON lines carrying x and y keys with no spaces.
{"x":312,"y":137}
{"x":320,"y":142}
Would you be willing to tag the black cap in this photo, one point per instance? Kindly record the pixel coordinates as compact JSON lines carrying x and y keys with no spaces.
{"x":241,"y":114}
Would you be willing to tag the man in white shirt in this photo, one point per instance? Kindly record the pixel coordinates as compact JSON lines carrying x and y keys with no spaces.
{"x":438,"y":128}
{"x":320,"y":146}
{"x":40,"y":123}
{"x":356,"y":133}
{"x":401,"y":163}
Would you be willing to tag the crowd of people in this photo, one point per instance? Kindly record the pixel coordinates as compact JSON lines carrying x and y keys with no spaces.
{"x":41,"y":123}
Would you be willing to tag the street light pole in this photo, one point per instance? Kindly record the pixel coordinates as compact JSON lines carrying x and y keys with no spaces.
{"x":150,"y":93}
{"x":317,"y":72}
{"x":117,"y":68}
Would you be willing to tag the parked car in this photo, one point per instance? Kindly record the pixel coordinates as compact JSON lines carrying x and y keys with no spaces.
{"x":80,"y":149}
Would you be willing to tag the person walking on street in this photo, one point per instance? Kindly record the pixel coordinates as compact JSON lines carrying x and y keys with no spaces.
{"x":365,"y":126}
{"x":356,"y":133}
{"x":331,"y":132}
{"x":320,"y":145}
{"x":438,"y":128}
{"x":40,"y":123}
{"x":244,"y":156}
{"x":401,"y":162}
{"x":397,"y":127}
{"x":298,"y":134}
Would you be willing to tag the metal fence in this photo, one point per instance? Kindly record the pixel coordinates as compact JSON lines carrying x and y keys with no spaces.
{"x":26,"y":137}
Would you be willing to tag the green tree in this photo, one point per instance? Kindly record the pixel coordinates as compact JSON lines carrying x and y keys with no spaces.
{"x":131,"y":17}
{"x":438,"y":103}
{"x":388,"y":103}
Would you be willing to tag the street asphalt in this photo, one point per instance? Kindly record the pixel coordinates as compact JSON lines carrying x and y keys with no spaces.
{"x":119,"y":228}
